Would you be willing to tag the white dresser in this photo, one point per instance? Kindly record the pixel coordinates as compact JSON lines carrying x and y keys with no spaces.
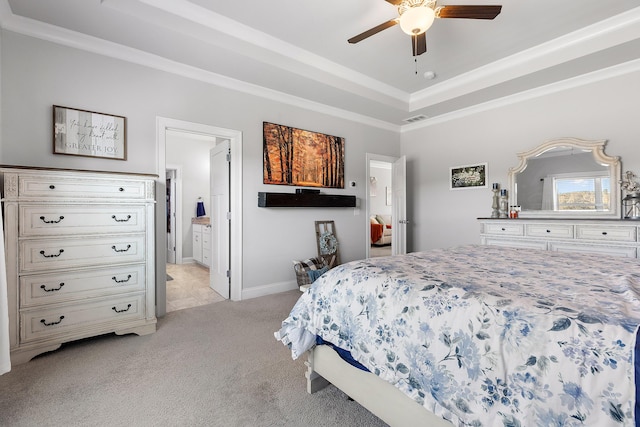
{"x":80,"y":256}
{"x":606,"y":237}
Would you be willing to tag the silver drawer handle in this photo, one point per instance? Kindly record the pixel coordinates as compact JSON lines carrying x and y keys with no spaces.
{"x":44,"y":322}
{"x":123,"y":310}
{"x":44,"y":288}
{"x":52,"y":255}
{"x":51,"y":221}
{"x":121,"y":220}
{"x":121,"y":250}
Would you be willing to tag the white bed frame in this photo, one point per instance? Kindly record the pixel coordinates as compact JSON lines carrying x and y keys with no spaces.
{"x":324,"y":367}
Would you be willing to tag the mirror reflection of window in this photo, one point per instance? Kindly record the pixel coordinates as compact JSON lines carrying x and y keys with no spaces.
{"x":583,"y":193}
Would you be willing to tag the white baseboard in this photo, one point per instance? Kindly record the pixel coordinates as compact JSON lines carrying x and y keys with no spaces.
{"x":273,"y":288}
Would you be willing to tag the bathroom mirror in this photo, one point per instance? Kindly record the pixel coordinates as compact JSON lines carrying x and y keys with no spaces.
{"x":566,"y":178}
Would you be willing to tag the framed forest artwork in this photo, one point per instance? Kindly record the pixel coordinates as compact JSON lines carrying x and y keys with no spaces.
{"x":299,"y":157}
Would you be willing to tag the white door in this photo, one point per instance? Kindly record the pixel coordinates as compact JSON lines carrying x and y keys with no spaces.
{"x":399,"y":205}
{"x":171,"y":216}
{"x":220,"y":270}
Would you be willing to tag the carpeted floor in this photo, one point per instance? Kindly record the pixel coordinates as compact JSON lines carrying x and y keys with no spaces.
{"x":213,"y":365}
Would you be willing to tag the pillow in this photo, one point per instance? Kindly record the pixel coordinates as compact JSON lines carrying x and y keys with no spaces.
{"x":373,"y":220}
{"x":379,"y":219}
{"x":314,"y":274}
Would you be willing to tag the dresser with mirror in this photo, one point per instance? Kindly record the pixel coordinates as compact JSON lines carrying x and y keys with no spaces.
{"x":569,"y":195}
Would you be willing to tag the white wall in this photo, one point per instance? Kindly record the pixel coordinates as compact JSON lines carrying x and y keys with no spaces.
{"x":38,"y":74}
{"x":191,"y":153}
{"x":440,"y":217}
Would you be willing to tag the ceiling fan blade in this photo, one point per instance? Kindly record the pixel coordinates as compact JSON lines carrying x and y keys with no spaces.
{"x":372,"y":31}
{"x":394,"y":2}
{"x":419,"y":44}
{"x":470,"y":12}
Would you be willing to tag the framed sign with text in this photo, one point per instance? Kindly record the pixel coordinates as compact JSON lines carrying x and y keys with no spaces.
{"x":89,"y":134}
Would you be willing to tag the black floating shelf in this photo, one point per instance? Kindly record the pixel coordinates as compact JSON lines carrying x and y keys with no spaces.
{"x":305,"y":200}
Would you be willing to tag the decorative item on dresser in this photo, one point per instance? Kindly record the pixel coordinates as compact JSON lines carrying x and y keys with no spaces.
{"x":495,"y":204}
{"x":79,"y":250}
{"x":631,"y":201}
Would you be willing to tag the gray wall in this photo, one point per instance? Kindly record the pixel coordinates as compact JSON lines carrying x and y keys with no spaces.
{"x":606,"y":109}
{"x":37,"y":74}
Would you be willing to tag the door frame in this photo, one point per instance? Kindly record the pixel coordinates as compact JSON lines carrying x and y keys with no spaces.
{"x":235,"y":137}
{"x":369,"y":157}
{"x":177,"y":199}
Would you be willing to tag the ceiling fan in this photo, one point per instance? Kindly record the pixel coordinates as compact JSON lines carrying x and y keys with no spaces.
{"x":416,"y":16}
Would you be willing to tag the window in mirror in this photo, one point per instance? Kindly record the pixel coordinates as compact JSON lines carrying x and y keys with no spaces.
{"x":585,"y":193}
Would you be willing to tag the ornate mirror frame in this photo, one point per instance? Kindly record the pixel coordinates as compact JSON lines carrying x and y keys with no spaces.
{"x":597,"y":149}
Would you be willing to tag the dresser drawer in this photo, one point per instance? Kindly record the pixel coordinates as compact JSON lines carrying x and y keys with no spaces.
{"x":48,"y":220}
{"x":49,"y":254}
{"x":85,"y":187}
{"x":612,"y":250}
{"x":515,"y":243}
{"x":550,"y":230}
{"x":98,"y":316}
{"x":504,"y":229}
{"x":40,"y":289}
{"x":606,"y":233}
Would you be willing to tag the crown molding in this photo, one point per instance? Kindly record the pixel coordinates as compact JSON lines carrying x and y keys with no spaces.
{"x":601,"y":35}
{"x":260,"y":46}
{"x":560,"y":86}
{"x":76,"y":40}
{"x":613,"y":31}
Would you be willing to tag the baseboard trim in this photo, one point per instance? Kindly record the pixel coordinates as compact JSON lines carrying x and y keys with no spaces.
{"x":273,"y":288}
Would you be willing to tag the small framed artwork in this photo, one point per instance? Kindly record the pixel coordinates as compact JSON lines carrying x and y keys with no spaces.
{"x":89,"y":134}
{"x":471,"y":176}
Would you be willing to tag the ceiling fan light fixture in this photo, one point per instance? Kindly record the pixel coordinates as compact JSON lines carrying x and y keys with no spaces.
{"x":417,"y":20}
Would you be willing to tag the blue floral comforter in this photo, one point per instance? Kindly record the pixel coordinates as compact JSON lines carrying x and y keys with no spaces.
{"x":484,"y":335}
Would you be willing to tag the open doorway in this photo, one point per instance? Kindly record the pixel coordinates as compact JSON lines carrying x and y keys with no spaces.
{"x":386,"y":222}
{"x":380,"y":208}
{"x":165,"y":127}
{"x":188,"y":219}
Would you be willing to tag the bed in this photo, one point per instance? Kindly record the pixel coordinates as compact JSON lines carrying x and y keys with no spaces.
{"x":476,"y":335}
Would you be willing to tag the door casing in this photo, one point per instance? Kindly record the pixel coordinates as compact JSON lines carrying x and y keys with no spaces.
{"x":235,"y":137}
